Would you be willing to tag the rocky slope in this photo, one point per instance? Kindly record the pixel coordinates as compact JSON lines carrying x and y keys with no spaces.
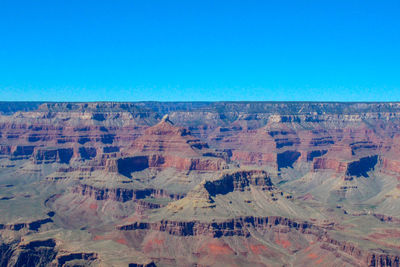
{"x":207,"y":184}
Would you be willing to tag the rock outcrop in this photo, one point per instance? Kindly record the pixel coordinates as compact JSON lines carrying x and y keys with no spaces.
{"x":232,"y":227}
{"x":122,"y":194}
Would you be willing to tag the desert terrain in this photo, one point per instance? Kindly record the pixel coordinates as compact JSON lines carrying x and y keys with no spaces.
{"x":199,"y":184}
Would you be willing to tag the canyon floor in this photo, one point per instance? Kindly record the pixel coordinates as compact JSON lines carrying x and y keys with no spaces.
{"x":199,"y":184}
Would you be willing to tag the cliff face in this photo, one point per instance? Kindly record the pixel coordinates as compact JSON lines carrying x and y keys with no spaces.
{"x":237,"y":181}
{"x":127,"y":165}
{"x":221,"y":183}
{"x":246,"y":226}
{"x":275,"y":134}
{"x":234,"y":227}
{"x":122,"y":194}
{"x":43,"y":253}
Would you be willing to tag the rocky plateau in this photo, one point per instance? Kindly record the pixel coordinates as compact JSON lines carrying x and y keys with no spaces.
{"x":199,"y":184}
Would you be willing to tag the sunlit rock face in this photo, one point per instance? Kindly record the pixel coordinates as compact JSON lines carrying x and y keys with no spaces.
{"x":206,"y":184}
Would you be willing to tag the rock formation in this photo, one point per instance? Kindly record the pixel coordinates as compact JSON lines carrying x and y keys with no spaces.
{"x":199,"y":184}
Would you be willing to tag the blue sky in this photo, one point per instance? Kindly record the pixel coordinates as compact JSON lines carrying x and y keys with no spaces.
{"x":286,"y":50}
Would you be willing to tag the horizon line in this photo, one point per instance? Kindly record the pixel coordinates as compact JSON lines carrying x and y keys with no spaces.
{"x":200,"y":101}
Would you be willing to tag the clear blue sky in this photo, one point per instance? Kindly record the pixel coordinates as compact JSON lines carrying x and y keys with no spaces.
{"x":70,"y":50}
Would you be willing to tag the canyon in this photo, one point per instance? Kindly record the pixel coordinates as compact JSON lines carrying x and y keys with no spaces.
{"x":199,"y":184}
